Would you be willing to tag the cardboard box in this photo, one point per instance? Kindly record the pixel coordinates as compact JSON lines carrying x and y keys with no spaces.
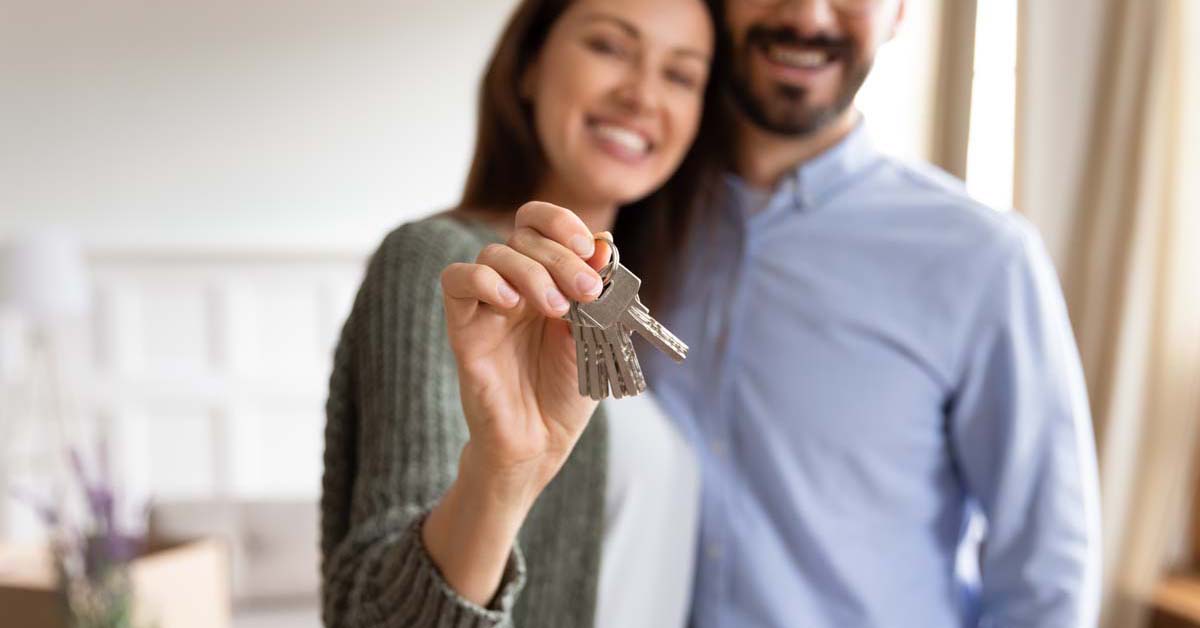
{"x":176,"y":585}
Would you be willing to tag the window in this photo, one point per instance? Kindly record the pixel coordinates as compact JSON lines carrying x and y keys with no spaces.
{"x":990,"y":147}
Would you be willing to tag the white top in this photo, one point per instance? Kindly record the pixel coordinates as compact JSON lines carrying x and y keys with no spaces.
{"x":651,"y":504}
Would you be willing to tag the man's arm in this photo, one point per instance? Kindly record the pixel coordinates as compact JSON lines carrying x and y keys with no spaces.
{"x":1022,"y":435}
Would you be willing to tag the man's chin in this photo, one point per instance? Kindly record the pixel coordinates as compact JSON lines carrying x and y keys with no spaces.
{"x":792,"y":110}
{"x":797,"y":121}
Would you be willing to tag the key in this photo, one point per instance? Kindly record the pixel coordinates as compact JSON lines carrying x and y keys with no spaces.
{"x":631,"y":370}
{"x":605,"y":357}
{"x":588,"y":357}
{"x":619,"y":303}
{"x":638,"y":319}
{"x":617,"y":296}
{"x":601,"y":358}
{"x":583,"y":351}
{"x":639,"y":378}
{"x":598,"y":375}
{"x":622,"y":362}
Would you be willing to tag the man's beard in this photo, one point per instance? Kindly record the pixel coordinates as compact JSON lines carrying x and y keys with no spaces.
{"x":785,"y":109}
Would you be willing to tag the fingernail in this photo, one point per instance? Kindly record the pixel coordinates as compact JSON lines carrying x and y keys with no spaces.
{"x":557,"y":301}
{"x":507,"y":294}
{"x":585,"y":247}
{"x":587,"y":283}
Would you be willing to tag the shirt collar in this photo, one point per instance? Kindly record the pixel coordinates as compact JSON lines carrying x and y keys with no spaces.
{"x":810,"y":184}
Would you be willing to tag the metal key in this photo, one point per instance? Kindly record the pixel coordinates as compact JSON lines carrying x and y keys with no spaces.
{"x":619,"y":303}
{"x":622,"y":360}
{"x":598,"y":359}
{"x":583,"y":351}
{"x":631,"y":369}
{"x":620,"y":292}
{"x":590,"y":356}
{"x":605,"y":356}
{"x":638,"y":319}
{"x":601,"y":360}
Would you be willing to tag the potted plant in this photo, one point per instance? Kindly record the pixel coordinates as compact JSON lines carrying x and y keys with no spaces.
{"x":92,"y":555}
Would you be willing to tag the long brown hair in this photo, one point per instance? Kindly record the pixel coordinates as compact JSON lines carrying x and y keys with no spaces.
{"x":508,"y":163}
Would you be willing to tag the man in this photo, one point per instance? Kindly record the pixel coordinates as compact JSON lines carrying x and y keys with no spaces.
{"x":884,"y":357}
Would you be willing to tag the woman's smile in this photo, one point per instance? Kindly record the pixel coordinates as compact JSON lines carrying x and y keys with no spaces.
{"x":622,"y":141}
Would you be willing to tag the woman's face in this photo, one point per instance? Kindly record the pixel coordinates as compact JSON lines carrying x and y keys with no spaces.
{"x":617,"y":92}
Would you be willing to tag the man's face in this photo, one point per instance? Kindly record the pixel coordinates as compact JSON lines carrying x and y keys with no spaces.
{"x":795,"y":65}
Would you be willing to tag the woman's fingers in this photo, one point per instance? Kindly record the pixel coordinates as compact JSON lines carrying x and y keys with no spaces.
{"x":529,"y":277}
{"x":551,"y":257}
{"x":573,"y":275}
{"x":558,"y":224}
{"x":475,"y":283}
{"x":602,"y":254}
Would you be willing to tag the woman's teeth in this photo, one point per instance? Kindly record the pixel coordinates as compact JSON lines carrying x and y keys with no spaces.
{"x":629,"y":140}
{"x":799,"y":58}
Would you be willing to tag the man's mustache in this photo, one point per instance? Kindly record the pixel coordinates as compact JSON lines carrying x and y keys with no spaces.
{"x":765,"y":37}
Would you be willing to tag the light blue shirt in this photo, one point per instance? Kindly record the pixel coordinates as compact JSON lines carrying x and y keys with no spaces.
{"x":875,"y":356}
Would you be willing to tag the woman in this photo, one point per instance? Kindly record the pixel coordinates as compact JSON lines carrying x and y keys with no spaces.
{"x":449,"y":415}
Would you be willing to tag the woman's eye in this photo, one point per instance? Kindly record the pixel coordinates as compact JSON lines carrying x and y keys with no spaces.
{"x":605,"y":47}
{"x":683,"y":79}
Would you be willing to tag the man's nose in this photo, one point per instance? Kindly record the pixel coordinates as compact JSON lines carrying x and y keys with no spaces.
{"x":809,"y":17}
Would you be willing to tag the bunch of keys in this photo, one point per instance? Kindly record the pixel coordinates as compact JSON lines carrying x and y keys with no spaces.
{"x":603,"y":347}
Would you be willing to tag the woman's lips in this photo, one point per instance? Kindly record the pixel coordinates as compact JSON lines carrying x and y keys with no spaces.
{"x":622,"y":142}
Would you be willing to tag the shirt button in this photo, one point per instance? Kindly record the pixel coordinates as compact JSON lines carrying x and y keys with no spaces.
{"x":713,"y":551}
{"x":720,"y":448}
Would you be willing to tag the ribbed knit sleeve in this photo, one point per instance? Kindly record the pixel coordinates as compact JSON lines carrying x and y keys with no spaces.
{"x":394,"y":433}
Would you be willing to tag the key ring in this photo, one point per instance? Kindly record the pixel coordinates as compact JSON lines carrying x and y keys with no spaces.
{"x":607,"y":271}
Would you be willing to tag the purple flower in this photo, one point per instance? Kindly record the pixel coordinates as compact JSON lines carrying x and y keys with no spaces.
{"x":106,"y":545}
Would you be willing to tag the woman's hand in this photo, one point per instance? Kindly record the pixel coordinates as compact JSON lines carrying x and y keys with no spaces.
{"x":516,"y":358}
{"x":518,"y":383}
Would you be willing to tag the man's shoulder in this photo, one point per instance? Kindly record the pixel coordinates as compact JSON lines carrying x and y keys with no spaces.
{"x":938,"y":225}
{"x":927,"y":191}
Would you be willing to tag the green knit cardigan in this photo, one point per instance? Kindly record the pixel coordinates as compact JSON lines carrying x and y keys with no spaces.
{"x":394,"y":431}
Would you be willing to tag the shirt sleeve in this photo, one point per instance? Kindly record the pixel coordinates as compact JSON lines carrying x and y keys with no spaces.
{"x":394,"y":432}
{"x":1022,"y":435}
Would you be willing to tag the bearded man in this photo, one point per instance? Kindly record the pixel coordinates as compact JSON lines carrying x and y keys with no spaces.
{"x":886,"y":361}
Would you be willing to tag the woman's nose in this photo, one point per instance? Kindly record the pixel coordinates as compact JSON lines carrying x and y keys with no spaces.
{"x":639,"y":91}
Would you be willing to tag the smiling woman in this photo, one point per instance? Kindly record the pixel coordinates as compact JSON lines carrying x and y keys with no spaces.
{"x":450,"y":412}
{"x":560,"y":120}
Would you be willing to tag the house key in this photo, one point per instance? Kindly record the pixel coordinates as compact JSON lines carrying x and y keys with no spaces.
{"x":602,"y":328}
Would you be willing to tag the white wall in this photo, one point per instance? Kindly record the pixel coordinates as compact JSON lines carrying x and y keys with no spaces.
{"x":898,"y":98}
{"x":280,"y":123}
{"x":260,"y":123}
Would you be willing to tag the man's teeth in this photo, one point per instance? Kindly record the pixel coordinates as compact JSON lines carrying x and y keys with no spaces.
{"x":800,"y":58}
{"x":630,"y":140}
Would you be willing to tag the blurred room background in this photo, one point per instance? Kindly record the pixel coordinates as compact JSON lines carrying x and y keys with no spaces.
{"x":189,"y":190}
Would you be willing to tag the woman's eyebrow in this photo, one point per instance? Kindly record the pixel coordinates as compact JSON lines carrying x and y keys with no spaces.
{"x":622,"y":23}
{"x":692,"y":52}
{"x":633,"y":31}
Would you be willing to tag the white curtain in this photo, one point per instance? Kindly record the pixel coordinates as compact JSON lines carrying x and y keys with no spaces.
{"x":1107,"y":166}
